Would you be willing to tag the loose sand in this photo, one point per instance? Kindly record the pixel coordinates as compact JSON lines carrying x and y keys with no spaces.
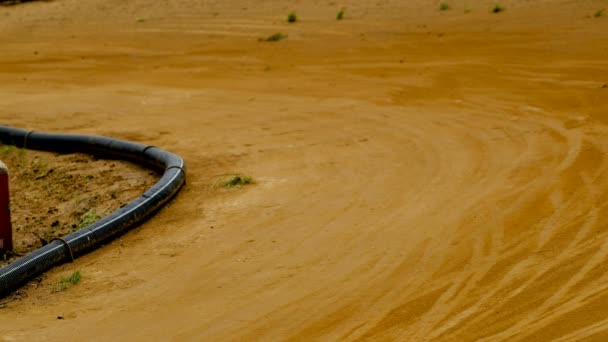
{"x":421,"y":174}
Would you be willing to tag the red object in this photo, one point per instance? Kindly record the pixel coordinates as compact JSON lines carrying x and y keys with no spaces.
{"x":6,"y":230}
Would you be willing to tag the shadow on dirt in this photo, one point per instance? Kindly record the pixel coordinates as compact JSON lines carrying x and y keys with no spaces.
{"x":17,"y":2}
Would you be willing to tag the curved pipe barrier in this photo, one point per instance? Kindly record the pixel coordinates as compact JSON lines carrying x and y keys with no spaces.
{"x":80,"y":242}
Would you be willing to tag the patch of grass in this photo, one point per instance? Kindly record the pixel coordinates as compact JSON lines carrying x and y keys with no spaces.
{"x":14,"y":155}
{"x":600,"y":13}
{"x":497,"y":8}
{"x":340,"y":15}
{"x":238,"y":180}
{"x":444,"y":6}
{"x":8,"y":149}
{"x":292,"y":17}
{"x":88,"y":219}
{"x":273,"y":38}
{"x":69,"y":281}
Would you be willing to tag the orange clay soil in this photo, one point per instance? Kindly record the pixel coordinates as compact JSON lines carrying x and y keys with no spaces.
{"x":420,"y":174}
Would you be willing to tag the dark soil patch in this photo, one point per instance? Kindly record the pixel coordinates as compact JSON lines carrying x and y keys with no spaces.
{"x":53,"y":195}
{"x":16,"y":2}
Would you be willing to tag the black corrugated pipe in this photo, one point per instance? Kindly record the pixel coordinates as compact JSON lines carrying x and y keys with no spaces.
{"x":78,"y":243}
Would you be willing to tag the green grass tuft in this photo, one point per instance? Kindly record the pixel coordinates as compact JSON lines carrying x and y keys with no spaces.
{"x":497,"y":8}
{"x":599,"y":13}
{"x":292,"y":18}
{"x":69,"y":281}
{"x":238,"y":180}
{"x":444,"y":6}
{"x":340,"y":15}
{"x":88,"y":219}
{"x":273,"y":38}
{"x":8,"y":149}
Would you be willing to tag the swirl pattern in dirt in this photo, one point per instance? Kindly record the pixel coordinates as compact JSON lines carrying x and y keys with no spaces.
{"x":420,"y":175}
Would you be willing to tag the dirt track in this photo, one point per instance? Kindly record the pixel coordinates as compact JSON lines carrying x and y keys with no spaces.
{"x":420,"y":174}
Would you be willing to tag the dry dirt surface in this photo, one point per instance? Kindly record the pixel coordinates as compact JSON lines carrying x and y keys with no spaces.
{"x":420,"y":174}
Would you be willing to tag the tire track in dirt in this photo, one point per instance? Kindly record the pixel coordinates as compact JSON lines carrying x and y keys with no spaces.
{"x":573,"y":247}
{"x":445,"y":303}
